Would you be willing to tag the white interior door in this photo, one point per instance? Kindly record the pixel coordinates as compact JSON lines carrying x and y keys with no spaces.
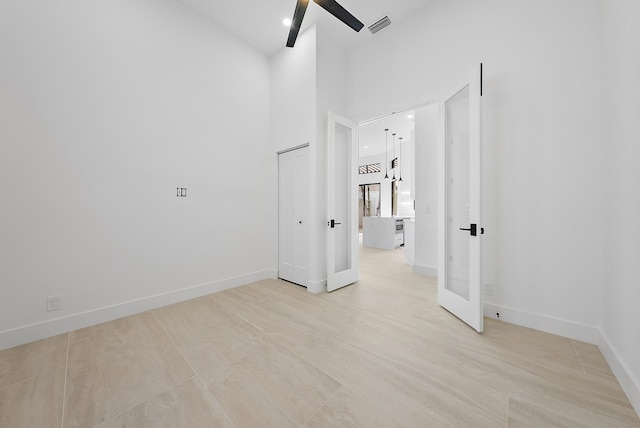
{"x":460,"y":231}
{"x":293,"y":205}
{"x":342,"y":202}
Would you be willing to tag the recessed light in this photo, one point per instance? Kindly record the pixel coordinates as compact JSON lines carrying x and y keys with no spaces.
{"x":366,"y":147}
{"x":410,"y":116}
{"x":286,"y":22}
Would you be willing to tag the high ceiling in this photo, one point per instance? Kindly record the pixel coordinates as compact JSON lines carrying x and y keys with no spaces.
{"x":259,"y":22}
{"x":373,"y":137}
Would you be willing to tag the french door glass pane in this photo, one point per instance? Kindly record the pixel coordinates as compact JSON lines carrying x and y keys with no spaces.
{"x":342,"y":206}
{"x":457,"y":201}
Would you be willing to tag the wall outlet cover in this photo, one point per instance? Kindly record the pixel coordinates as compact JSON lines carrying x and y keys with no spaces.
{"x":488,"y":289}
{"x":53,"y":303}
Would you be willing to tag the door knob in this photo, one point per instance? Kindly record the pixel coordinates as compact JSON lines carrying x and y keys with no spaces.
{"x":473,"y":229}
{"x":332,"y":223}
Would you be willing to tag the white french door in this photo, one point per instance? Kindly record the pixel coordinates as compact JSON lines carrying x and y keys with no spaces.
{"x":342,"y":202}
{"x":460,"y":223}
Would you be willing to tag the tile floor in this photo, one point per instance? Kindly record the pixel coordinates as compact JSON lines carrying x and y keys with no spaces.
{"x":380,"y":353}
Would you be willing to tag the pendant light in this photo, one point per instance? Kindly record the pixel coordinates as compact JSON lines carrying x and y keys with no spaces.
{"x":394,"y":156}
{"x":386,"y":154}
{"x":400,"y":159}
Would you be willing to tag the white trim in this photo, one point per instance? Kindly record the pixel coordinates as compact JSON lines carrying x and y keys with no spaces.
{"x":290,"y":149}
{"x":425,"y":270}
{"x":629,"y":383}
{"x":400,"y":110}
{"x":560,"y":327}
{"x":44,"y":329}
{"x":577,"y":331}
{"x":316,"y":287}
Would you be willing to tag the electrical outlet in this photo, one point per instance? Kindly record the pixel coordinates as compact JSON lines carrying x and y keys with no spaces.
{"x":53,"y":303}
{"x":488,"y":289}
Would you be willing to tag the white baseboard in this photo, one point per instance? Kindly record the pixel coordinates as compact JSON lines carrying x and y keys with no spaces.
{"x":629,"y":383}
{"x":576,"y":331}
{"x":425,"y":270}
{"x":41,"y":330}
{"x":570,"y":329}
{"x":316,"y":287}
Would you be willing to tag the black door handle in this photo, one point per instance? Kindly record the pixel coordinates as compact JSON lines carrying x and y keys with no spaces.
{"x":332,"y":223}
{"x":473,"y":229}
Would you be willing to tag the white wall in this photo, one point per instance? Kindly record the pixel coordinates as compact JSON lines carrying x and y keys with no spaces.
{"x":293,"y":93}
{"x":621,"y":150}
{"x":426,"y":189}
{"x":307,"y":82}
{"x":331,"y":89}
{"x":543,"y":172}
{"x":293,"y":116}
{"x":105,"y":108}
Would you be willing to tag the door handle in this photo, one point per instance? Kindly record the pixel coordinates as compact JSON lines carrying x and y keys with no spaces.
{"x":332,"y":223}
{"x":473,"y":229}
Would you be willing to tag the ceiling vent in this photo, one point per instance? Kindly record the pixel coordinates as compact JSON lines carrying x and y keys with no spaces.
{"x":379,"y":25}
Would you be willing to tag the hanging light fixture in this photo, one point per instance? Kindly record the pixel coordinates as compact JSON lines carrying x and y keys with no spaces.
{"x":386,"y":154}
{"x":400,"y":159}
{"x":394,"y":156}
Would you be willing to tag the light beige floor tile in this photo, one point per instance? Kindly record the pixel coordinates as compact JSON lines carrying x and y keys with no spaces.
{"x":195,"y":320}
{"x":211,"y":350}
{"x":348,"y":409}
{"x":34,"y":402}
{"x":187,"y":405}
{"x":117,"y":365}
{"x":281,"y":323}
{"x":274,"y":388}
{"x":32,"y":359}
{"x":380,"y":352}
{"x":592,"y":360}
{"x":522,"y":415}
{"x":395,"y":392}
{"x":583,"y":399}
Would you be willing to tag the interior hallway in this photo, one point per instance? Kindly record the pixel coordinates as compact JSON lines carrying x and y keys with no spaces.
{"x":380,"y":353}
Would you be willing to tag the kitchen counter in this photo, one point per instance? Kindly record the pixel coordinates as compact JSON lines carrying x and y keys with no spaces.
{"x":380,"y":232}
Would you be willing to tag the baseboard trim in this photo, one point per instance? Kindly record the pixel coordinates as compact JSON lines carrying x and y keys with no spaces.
{"x":29,"y":333}
{"x":425,"y":270}
{"x":316,"y":287}
{"x":629,"y":383}
{"x":560,"y":327}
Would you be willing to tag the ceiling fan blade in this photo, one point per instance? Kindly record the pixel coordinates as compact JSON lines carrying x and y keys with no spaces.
{"x":296,"y":22}
{"x":341,"y":13}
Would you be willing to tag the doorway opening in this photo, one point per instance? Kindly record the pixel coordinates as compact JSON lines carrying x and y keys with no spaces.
{"x":405,"y":145}
{"x":368,"y":202}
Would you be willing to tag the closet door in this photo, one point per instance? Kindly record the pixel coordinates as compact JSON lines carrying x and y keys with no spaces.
{"x":293,"y":205}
